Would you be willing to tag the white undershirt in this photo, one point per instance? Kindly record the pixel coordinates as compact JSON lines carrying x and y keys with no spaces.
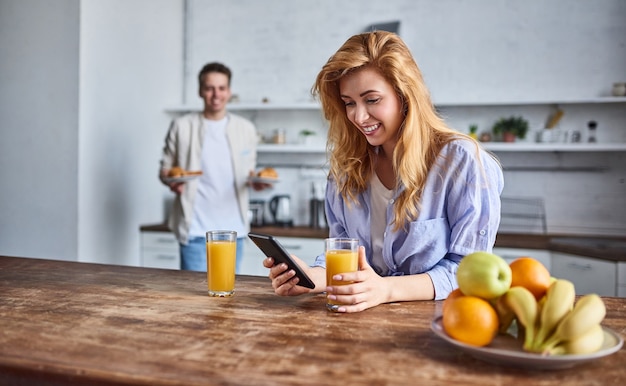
{"x":215,"y":205}
{"x":379,"y":200}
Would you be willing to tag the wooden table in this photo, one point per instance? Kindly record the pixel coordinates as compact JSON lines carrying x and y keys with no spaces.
{"x":79,"y":323}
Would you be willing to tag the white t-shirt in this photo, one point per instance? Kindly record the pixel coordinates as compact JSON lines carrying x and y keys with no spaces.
{"x":215,"y":205}
{"x":380,"y":199}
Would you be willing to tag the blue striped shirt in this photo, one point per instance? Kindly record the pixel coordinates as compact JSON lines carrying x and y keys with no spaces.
{"x":460,"y":214}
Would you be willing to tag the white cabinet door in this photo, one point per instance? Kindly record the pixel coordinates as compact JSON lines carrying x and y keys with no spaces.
{"x":159,"y":250}
{"x":588,"y":275}
{"x":304,"y":248}
{"x":510,"y":254}
{"x":252,"y":260}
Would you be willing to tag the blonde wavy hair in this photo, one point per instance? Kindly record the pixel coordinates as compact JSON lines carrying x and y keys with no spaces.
{"x":421,"y":136}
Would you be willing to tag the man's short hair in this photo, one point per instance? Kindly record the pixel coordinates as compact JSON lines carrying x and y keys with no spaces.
{"x":214,"y":67}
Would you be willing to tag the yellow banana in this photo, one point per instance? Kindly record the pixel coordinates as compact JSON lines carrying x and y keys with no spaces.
{"x":559,"y":300}
{"x":523,"y":303}
{"x":590,"y":341}
{"x":588,"y":311}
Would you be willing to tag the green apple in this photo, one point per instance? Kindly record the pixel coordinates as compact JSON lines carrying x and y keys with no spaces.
{"x":483,"y":274}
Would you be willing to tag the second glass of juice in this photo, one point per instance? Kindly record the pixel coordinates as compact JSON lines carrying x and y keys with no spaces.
{"x":341,"y":257}
{"x":221,"y":255}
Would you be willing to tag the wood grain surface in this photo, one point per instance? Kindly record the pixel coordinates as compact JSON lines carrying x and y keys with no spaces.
{"x":79,"y":323}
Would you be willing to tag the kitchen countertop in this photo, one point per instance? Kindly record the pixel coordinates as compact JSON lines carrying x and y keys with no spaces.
{"x":94,"y":324}
{"x":606,"y":248}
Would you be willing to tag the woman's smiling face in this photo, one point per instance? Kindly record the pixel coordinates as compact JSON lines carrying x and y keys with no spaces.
{"x":373,"y":106}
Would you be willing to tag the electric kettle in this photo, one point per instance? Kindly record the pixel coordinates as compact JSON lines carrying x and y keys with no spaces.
{"x":280,"y":209}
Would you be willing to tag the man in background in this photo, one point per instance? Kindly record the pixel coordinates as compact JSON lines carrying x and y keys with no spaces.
{"x":222,"y":146}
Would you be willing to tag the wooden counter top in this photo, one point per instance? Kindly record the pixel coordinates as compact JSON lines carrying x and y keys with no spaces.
{"x":79,"y":323}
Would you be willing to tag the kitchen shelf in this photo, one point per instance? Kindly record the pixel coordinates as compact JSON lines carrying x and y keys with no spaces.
{"x":315,"y":106}
{"x":492,"y":146}
{"x":290,"y":148}
{"x":550,"y":147}
{"x":249,"y":106}
{"x":597,"y":100}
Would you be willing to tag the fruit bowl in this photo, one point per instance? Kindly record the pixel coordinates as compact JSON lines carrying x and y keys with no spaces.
{"x":507,"y":350}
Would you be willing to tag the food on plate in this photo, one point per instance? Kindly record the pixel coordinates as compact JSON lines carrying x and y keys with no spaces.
{"x":268,"y":173}
{"x":484,"y":275}
{"x":523,"y":304}
{"x":531,"y":274}
{"x":177,"y":171}
{"x":558,"y":302}
{"x":471,"y":320}
{"x":548,"y":318}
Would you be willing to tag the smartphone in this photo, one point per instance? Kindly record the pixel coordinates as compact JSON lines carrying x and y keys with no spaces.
{"x":272,"y":248}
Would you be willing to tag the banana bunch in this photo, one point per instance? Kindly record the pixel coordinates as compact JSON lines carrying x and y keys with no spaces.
{"x":556,"y":324}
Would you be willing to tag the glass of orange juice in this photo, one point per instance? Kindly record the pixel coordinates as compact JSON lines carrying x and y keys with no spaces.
{"x":341,"y":257}
{"x":221,"y":254}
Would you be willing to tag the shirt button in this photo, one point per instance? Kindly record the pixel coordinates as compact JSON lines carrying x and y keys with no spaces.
{"x":392,"y":201}
{"x":482,"y":232}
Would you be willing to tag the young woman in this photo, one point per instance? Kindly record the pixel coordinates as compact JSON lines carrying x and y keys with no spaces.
{"x":417,"y":194}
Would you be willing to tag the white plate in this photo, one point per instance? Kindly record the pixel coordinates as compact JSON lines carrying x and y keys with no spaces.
{"x":507,"y":350}
{"x":190,"y":177}
{"x":264,"y":180}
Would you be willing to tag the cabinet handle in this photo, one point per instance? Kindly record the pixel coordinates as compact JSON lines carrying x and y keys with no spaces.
{"x":166,"y":257}
{"x":292,"y":246}
{"x":580,"y":267}
{"x":165,"y":240}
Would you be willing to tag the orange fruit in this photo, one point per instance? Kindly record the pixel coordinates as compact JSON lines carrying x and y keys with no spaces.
{"x":453,"y":295}
{"x":471,"y":320}
{"x":531,"y":274}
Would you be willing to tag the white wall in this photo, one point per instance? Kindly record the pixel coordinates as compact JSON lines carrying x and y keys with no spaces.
{"x":83,"y":88}
{"x":84,"y":85}
{"x":131,"y":67}
{"x":39,"y":85}
{"x":488,"y":50}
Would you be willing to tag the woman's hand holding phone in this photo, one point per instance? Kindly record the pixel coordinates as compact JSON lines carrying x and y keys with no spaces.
{"x":284,"y":280}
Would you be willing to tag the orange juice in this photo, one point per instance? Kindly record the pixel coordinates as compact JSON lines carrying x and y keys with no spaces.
{"x":339,"y":261}
{"x":221,"y":256}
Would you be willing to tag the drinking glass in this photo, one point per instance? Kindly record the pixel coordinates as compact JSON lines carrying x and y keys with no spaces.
{"x":221,"y":255}
{"x":341,"y":257}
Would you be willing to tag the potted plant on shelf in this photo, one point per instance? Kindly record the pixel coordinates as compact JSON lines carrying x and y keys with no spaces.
{"x":306,"y":136}
{"x":510,"y":128}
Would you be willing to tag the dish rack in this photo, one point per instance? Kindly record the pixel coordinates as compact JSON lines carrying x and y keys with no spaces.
{"x":523,"y":215}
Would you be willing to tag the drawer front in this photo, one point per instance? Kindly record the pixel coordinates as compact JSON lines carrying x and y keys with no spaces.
{"x":510,"y":254}
{"x":158,"y":258}
{"x":588,"y":275}
{"x":159,"y":240}
{"x":621,"y":291}
{"x":306,"y":249}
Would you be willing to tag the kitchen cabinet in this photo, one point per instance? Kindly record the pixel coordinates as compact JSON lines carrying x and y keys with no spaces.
{"x":159,"y":250}
{"x":588,"y":275}
{"x":306,"y":249}
{"x":510,"y":254}
{"x":289,"y":108}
